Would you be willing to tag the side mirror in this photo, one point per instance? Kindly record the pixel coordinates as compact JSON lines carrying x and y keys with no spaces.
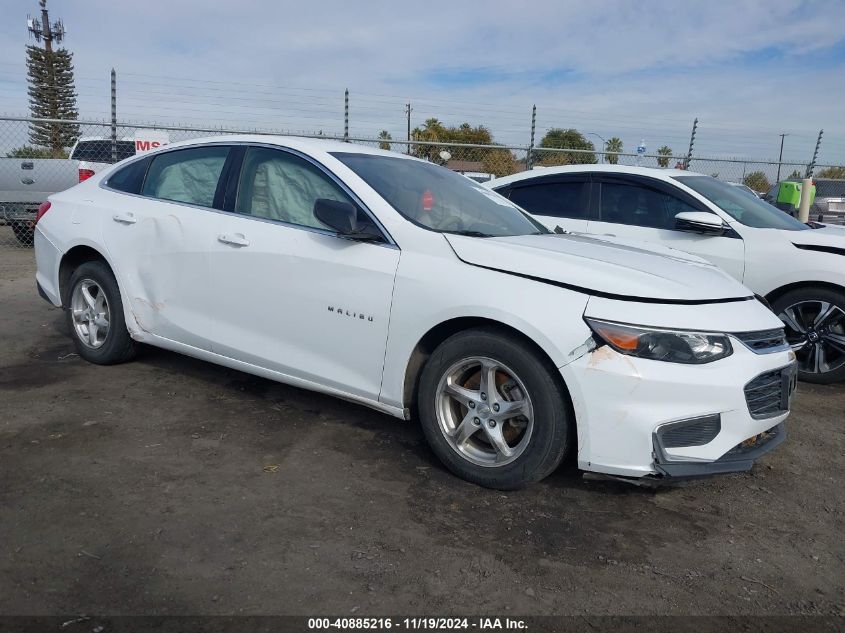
{"x":343,"y":218}
{"x":699,"y":222}
{"x":338,"y":216}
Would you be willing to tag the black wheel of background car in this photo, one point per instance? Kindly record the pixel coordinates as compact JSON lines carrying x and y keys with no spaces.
{"x":95,"y":315}
{"x":815,"y":328}
{"x":24,"y":233}
{"x":493,"y":410}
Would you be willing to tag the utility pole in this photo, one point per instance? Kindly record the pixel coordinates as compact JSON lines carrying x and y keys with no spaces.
{"x":691,"y":144}
{"x":530,"y":158}
{"x":346,"y":116}
{"x":812,"y":164}
{"x":780,"y":156}
{"x":408,"y":111}
{"x":113,"y":116}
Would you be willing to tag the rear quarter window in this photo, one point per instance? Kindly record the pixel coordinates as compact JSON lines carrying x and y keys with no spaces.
{"x":130,"y":178}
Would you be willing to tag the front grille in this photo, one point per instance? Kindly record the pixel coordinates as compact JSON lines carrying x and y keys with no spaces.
{"x":696,"y":432}
{"x":768,"y":394}
{"x":764,"y":341}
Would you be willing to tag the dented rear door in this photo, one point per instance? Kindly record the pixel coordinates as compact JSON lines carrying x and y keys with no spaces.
{"x":159,"y":242}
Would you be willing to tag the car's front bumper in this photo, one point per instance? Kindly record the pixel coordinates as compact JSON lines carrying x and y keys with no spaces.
{"x":625,"y":405}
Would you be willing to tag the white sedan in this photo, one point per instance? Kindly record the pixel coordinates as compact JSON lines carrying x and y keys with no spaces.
{"x":798,"y":268}
{"x":397,"y":284}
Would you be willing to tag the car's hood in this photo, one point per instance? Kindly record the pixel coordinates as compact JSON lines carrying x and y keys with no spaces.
{"x":600,"y":267}
{"x":828,"y":236}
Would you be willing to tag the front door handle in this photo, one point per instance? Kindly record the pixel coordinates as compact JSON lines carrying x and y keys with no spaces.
{"x":124,"y":218}
{"x":236,"y":239}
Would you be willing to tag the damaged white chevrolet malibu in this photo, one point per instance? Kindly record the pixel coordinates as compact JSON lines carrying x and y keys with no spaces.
{"x":400,"y":285}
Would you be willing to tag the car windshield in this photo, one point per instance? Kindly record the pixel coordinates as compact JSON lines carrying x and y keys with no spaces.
{"x":439,"y":199}
{"x":741,"y":205}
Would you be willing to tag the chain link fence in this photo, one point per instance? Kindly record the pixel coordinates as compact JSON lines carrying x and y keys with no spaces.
{"x":29,"y":174}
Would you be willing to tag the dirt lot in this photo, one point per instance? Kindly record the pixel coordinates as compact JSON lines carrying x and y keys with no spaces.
{"x":171,"y":486}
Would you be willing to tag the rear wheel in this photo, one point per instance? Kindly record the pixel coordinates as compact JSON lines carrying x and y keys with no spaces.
{"x":493,"y":411}
{"x":814,"y":319}
{"x":95,"y":316}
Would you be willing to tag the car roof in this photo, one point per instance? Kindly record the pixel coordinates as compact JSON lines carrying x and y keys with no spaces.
{"x":83,"y":139}
{"x":307,"y":145}
{"x":654,"y":172}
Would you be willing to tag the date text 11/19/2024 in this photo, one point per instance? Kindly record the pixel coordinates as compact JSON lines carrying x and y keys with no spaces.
{"x":418,"y":624}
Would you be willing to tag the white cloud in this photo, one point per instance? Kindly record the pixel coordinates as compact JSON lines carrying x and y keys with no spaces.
{"x":616,"y":67}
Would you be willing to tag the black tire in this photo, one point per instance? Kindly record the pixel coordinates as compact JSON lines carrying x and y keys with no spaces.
{"x":809,"y":296}
{"x":118,"y":346}
{"x":24,"y":234}
{"x":553,"y":420}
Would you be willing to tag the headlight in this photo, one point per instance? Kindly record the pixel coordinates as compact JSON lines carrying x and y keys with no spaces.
{"x":672,"y":346}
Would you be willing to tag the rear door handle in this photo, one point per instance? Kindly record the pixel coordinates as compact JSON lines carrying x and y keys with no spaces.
{"x":124,"y":218}
{"x":236,"y":239}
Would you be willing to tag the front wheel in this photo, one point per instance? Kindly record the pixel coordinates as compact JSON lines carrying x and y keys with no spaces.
{"x":493,"y":411}
{"x":814,"y":319}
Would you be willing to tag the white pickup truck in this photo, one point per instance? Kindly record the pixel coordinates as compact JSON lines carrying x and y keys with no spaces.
{"x":27,"y":182}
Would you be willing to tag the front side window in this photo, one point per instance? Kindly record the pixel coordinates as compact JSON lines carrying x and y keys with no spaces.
{"x":746,"y":209}
{"x":554,"y":199}
{"x":439,"y":199}
{"x":186,"y":175}
{"x":635,"y":205}
{"x":277,"y":185}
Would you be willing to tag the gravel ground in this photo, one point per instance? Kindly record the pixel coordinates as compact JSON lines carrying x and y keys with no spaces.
{"x":171,"y":486}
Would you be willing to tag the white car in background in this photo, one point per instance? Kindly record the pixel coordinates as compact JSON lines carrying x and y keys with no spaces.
{"x":406,"y":287}
{"x":798,"y":268}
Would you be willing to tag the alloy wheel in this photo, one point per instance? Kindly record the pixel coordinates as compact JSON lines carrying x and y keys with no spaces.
{"x":816,"y":332}
{"x":90,"y":311}
{"x":484,"y":411}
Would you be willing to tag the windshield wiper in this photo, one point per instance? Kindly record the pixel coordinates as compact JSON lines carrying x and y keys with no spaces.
{"x":469,"y":233}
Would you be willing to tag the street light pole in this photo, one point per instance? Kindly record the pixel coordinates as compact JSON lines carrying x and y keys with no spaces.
{"x":603,"y":157}
{"x":780,"y":157}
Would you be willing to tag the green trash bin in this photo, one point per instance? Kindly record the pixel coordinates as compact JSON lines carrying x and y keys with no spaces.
{"x":789,"y":196}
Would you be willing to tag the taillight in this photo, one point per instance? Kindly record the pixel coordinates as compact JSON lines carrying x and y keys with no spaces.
{"x":42,"y":209}
{"x":85,"y":174}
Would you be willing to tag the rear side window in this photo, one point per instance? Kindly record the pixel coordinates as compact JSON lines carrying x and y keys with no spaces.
{"x":555,"y":199}
{"x":129,"y":179}
{"x":100,"y":151}
{"x":186,"y":175}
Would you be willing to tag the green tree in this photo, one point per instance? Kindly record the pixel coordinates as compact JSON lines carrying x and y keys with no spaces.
{"x":433,"y":131}
{"x":52,"y":95}
{"x":29,"y":151}
{"x":832,"y":172}
{"x":664,"y":153}
{"x":757,"y":180}
{"x":613,"y":147}
{"x":500,"y":162}
{"x":559,"y":138}
{"x":795,"y":174}
{"x":384,"y":140}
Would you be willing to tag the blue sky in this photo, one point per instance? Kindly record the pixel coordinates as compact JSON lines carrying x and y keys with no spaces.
{"x":749,"y":70}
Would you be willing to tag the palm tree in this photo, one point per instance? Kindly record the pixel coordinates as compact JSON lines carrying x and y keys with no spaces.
{"x":665,"y":154}
{"x":613,"y":147}
{"x":383,"y":140}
